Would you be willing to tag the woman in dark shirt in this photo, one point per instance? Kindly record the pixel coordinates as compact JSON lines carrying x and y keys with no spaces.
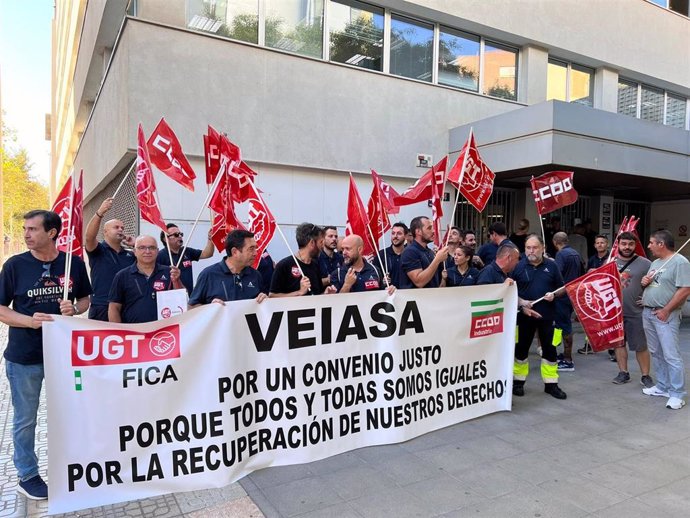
{"x":463,"y":274}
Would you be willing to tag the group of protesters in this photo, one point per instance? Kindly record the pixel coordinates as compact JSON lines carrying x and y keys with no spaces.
{"x":127,"y":274}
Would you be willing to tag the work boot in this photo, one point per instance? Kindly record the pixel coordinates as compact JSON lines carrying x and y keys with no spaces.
{"x":554,"y":390}
{"x":518,"y":388}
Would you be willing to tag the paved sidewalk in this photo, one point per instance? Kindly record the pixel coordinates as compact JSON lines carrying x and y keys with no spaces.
{"x":607,"y":451}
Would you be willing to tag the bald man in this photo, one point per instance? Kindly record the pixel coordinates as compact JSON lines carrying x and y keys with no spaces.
{"x":105,"y":258}
{"x":132,"y":297}
{"x":356,"y":274}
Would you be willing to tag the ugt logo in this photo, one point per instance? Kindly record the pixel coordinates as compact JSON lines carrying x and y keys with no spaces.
{"x":119,"y":346}
{"x":598,"y":298}
{"x":487,"y":318}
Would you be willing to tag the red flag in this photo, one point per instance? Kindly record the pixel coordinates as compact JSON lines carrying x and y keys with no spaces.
{"x":212,"y":154}
{"x":553,"y":190}
{"x":598,"y":301}
{"x":262,"y":223}
{"x":472,"y":176}
{"x":240,"y":175}
{"x":377,"y":218}
{"x":357,"y":218}
{"x":166,"y":154}
{"x":146,"y":187}
{"x":66,"y":202}
{"x":422,"y":189}
{"x":628,"y":225}
{"x":220,"y":201}
{"x":387,"y":193}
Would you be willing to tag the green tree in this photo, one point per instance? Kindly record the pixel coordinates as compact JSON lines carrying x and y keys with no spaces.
{"x":22,"y":191}
{"x":360,"y":37}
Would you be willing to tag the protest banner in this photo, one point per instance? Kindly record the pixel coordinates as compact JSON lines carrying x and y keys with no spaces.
{"x":202,"y":399}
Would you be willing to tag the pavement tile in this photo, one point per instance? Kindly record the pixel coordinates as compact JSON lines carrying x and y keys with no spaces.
{"x":301,"y":496}
{"x":350,"y":483}
{"x":632,"y":507}
{"x":490,"y":480}
{"x":584,"y":493}
{"x":335,"y":511}
{"x":443,"y":494}
{"x":672,"y":500}
{"x":398,"y":503}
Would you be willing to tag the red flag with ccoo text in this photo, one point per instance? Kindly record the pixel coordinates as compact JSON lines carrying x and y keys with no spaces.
{"x":422,"y":189}
{"x":357,"y":219}
{"x":261,"y":222}
{"x":553,"y":191}
{"x":65,"y":201}
{"x":598,"y":302}
{"x":165,"y":152}
{"x":472,"y":176}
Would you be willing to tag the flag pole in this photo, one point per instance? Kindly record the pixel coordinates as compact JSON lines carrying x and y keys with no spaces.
{"x":615,"y":241}
{"x":554,"y":292}
{"x":462,"y":176}
{"x":167,"y":241}
{"x":365,"y":217}
{"x":70,"y":239}
{"x":674,"y":254}
{"x":221,"y":172}
{"x":124,"y":178}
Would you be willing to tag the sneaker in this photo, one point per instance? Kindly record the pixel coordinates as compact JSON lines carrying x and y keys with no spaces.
{"x":647,"y":381}
{"x":675,"y":403}
{"x":587,"y":349}
{"x":518,"y":390}
{"x":654,"y":391}
{"x":612,"y":355}
{"x":34,"y":488}
{"x":623,"y":377}
{"x":554,"y":390}
{"x":566,"y":366}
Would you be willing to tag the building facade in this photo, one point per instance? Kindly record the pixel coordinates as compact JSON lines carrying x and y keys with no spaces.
{"x":312,"y":90}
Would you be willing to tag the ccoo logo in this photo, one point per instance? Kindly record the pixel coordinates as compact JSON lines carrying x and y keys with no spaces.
{"x":487,"y":318}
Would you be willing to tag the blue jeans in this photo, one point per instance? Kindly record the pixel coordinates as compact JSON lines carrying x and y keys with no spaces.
{"x":25,"y":385}
{"x":663,"y":345}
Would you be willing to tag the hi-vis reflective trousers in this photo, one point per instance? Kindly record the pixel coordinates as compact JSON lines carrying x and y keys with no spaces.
{"x":527,"y":327}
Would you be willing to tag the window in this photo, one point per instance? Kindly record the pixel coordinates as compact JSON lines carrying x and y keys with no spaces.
{"x":458,"y":59}
{"x":627,"y":98}
{"x":295,"y":26}
{"x":237,"y":19}
{"x":500,"y":68}
{"x":568,"y":82}
{"x":675,"y":111}
{"x":652,"y":104}
{"x":411,"y":52}
{"x":356,"y":34}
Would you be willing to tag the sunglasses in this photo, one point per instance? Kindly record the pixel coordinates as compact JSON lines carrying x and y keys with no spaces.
{"x":176,"y":234}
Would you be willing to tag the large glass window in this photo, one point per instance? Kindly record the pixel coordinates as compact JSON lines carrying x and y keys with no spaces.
{"x":652,"y":104}
{"x":627,"y":98}
{"x":675,"y":111}
{"x":581,"y":85}
{"x":295,"y":26}
{"x":356,"y":34}
{"x":458,"y":59}
{"x":237,"y":19}
{"x":411,"y":53}
{"x":500,"y":71}
{"x":557,"y":81}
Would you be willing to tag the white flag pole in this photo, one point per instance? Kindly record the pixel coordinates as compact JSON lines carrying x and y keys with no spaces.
{"x":70,"y":239}
{"x":220,"y":174}
{"x":124,"y":179}
{"x":462,"y":176}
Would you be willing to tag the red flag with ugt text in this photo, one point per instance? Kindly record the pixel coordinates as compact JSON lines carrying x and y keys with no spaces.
{"x":165,"y":152}
{"x":598,"y":301}
{"x":146,"y":187}
{"x":357,"y":219}
{"x":387,"y":193}
{"x":262,"y":223}
{"x":553,"y":191}
{"x":628,"y":225}
{"x":422,"y":189}
{"x":472,"y":176}
{"x":72,"y":220}
{"x":377,"y":217}
{"x":220,"y":201}
{"x":211,"y":154}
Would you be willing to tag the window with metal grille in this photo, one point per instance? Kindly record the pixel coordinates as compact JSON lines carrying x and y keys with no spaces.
{"x":500,"y":207}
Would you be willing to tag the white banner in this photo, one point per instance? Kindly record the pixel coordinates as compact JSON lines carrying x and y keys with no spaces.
{"x":202,"y":399}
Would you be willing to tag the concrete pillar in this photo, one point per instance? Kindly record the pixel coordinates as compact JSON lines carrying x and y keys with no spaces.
{"x":532,"y":74}
{"x":606,"y":89}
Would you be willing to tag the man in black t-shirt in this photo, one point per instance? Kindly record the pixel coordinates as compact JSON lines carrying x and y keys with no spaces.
{"x":299,"y":274}
{"x":190,"y":254}
{"x":356,"y":274}
{"x":33,"y":284}
{"x":420,"y":266}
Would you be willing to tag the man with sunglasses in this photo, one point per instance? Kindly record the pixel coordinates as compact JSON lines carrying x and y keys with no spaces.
{"x":233,"y":278}
{"x":132,"y":297}
{"x":106,"y":258}
{"x":174,"y":241}
{"x":33,"y":284}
